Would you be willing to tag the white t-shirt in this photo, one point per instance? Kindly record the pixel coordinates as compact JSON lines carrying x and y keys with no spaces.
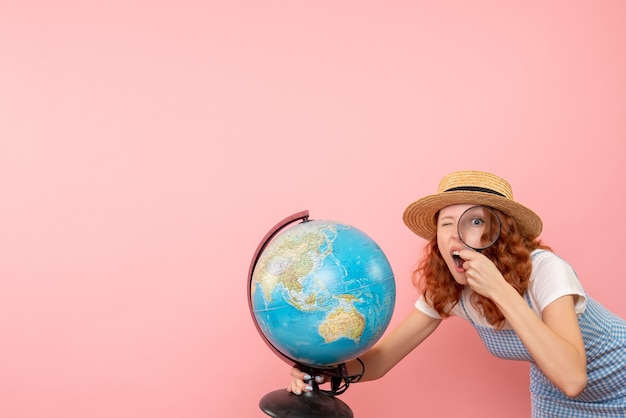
{"x":551,"y":278}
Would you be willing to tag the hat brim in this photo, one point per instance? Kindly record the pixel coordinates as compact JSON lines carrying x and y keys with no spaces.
{"x":420,"y":215}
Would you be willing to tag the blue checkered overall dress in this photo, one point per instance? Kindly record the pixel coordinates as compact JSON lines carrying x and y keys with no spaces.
{"x":605,"y":343}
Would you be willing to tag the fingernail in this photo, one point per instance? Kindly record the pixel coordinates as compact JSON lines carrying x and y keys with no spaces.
{"x":319,"y":379}
{"x":307,"y":377}
{"x":297,"y":391}
{"x":309,"y":388}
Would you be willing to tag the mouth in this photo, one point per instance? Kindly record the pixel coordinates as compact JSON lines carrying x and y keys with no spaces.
{"x":458,"y":261}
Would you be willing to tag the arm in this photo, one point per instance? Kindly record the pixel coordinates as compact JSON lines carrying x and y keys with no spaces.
{"x":381,"y":358}
{"x":554,"y":341}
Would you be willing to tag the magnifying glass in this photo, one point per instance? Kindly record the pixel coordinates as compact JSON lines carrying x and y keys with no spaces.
{"x":479,"y":227}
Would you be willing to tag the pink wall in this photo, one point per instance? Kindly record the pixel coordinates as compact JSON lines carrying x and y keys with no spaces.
{"x":146,"y":148}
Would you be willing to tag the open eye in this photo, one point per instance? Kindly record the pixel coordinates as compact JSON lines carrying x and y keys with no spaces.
{"x":477,"y":222}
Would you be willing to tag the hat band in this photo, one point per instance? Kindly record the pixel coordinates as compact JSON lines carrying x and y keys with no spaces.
{"x":474,"y":189}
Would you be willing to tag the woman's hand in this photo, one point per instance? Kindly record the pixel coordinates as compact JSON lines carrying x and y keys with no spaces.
{"x":483,"y":277}
{"x":301,"y":381}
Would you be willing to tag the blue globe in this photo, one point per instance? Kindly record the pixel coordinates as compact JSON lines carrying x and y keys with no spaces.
{"x":322,"y":293}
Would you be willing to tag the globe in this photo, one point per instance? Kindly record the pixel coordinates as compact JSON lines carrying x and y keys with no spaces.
{"x":321,"y":292}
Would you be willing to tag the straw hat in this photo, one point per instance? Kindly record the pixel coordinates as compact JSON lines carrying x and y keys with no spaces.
{"x":474,"y":188}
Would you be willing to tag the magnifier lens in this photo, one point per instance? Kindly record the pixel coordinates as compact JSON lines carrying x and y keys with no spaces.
{"x":479,"y":227}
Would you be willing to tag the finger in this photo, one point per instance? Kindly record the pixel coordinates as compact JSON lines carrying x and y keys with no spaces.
{"x":301,"y":381}
{"x":469,"y":254}
{"x":297,"y":387}
{"x":299,"y":374}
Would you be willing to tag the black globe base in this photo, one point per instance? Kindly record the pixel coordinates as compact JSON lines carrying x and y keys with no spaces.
{"x":283,"y":404}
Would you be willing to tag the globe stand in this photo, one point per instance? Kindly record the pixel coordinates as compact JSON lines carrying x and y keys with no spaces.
{"x":280,"y":403}
{"x":283,"y":404}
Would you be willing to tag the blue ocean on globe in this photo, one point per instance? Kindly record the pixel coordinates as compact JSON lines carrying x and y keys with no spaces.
{"x":322,"y":293}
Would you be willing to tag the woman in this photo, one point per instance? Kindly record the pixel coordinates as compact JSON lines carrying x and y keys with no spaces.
{"x":525,"y":302}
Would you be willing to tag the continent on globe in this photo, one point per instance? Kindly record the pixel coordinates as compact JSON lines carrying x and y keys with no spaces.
{"x":347,"y":323}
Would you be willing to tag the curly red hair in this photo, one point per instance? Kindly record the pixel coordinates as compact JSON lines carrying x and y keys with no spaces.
{"x":510,"y":254}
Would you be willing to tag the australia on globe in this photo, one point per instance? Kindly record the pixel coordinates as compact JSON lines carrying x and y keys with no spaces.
{"x":322,"y":293}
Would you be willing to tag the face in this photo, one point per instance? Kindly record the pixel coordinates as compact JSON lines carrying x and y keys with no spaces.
{"x":449,"y":242}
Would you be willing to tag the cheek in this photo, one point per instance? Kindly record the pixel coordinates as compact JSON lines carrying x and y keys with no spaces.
{"x":441,"y":240}
{"x":443,"y":249}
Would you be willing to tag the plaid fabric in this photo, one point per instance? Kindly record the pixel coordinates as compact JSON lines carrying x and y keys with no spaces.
{"x":605,"y":343}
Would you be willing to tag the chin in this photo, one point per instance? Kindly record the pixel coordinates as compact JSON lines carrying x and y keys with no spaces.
{"x":460,"y":278}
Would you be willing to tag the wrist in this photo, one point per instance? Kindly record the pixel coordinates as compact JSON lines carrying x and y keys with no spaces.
{"x":505,"y":296}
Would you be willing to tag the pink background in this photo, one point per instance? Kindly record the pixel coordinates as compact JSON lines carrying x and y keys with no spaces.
{"x":147,"y":146}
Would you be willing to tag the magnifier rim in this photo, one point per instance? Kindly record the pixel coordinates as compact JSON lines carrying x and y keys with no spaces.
{"x":458,"y":227}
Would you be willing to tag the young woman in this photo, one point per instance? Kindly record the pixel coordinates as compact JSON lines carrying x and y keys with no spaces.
{"x":525,"y":302}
